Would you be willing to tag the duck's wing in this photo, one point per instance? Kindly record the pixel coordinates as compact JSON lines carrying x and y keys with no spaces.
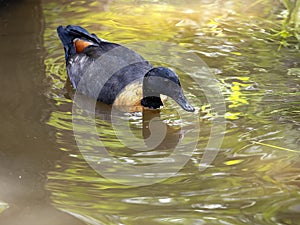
{"x":81,"y":49}
{"x":106,"y":67}
{"x":75,"y":39}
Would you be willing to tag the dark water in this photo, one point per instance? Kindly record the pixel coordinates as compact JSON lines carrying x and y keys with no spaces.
{"x":45,"y":177}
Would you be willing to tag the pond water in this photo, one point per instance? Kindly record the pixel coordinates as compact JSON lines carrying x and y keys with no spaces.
{"x":253,"y":177}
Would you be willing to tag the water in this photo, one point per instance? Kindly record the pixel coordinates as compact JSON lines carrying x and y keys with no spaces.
{"x":253,"y":180}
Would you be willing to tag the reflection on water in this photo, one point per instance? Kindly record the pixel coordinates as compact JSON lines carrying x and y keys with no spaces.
{"x":255,"y":177}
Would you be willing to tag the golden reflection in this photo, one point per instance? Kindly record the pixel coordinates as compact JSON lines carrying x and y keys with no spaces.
{"x":236,"y":97}
{"x":3,"y":206}
{"x":61,"y":120}
{"x":236,"y":88}
{"x":233,"y":162}
{"x":224,"y":33}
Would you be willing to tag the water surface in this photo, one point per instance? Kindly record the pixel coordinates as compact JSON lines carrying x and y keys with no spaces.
{"x":255,"y":176}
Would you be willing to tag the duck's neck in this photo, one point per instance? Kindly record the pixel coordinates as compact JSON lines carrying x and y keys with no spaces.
{"x":152,"y":102}
{"x":151,"y":98}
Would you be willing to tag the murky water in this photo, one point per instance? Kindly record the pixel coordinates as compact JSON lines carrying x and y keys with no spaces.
{"x":254,"y":179}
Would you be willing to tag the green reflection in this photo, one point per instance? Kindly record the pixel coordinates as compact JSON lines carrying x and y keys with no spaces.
{"x":255,"y":179}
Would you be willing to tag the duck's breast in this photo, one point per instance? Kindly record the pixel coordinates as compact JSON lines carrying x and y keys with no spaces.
{"x":131,"y":95}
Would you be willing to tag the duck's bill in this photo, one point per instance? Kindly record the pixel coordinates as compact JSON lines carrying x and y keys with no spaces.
{"x":182,"y":101}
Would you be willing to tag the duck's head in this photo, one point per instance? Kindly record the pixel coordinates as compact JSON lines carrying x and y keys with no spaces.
{"x":162,"y":80}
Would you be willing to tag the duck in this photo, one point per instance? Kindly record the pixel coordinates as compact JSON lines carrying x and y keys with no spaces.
{"x":115,"y":75}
